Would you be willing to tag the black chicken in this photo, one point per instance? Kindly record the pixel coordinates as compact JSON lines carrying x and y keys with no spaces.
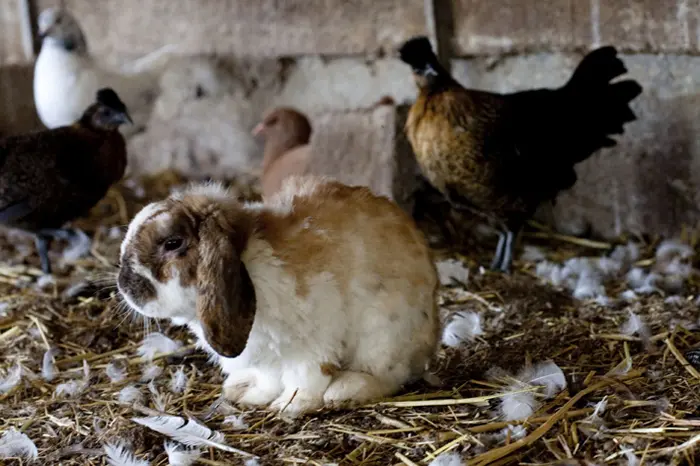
{"x":50,"y":177}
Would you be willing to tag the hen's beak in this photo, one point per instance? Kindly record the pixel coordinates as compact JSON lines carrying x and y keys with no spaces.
{"x":258,"y":129}
{"x":124,"y":118}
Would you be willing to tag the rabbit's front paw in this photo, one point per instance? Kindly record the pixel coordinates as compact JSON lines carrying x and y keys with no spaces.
{"x":351,"y":388}
{"x":293,"y":405}
{"x":251,"y":387}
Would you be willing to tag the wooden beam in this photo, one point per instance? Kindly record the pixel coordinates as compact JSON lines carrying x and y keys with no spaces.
{"x":27,"y":28}
{"x":440,"y":27}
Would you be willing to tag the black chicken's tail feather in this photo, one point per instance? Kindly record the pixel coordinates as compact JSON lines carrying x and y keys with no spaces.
{"x":597,"y":69}
{"x":601,"y":108}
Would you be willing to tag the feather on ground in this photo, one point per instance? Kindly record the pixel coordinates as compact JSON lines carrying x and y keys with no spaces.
{"x":462,"y":327}
{"x":119,"y":455}
{"x":11,"y":379}
{"x":236,"y":422}
{"x":157,"y":343}
{"x":447,"y":459}
{"x":15,"y":444}
{"x":180,"y":456}
{"x":452,"y":269}
{"x":73,"y":388}
{"x":523,"y":404}
{"x":190,"y":432}
{"x":115,"y":372}
{"x":130,"y":395}
{"x":178,"y":383}
{"x":48,"y":368}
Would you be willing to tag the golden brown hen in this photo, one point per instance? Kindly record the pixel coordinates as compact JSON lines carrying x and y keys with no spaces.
{"x":501,"y":155}
{"x":287,"y":133}
{"x":48,"y":178}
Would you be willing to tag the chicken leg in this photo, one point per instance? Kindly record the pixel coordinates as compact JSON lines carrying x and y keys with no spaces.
{"x":43,"y":241}
{"x":503,"y":257}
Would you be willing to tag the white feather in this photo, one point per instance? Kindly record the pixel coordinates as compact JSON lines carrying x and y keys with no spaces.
{"x":86,"y":371}
{"x":15,"y":444}
{"x":675,"y":300}
{"x":521,"y":405}
{"x":600,"y":407}
{"x":119,"y":455}
{"x":625,"y":255}
{"x":514,"y":432}
{"x":596,"y":417}
{"x":48,"y":368}
{"x":151,"y":372}
{"x":515,"y":406}
{"x":115,"y":372}
{"x":636,"y":277}
{"x":670,"y":249}
{"x":632,"y":459}
{"x":635,"y":325}
{"x":157,"y":343}
{"x":178,"y":383}
{"x":589,"y":285}
{"x":11,"y":379}
{"x":609,"y":267}
{"x":73,"y":388}
{"x":464,"y":326}
{"x":130,"y":395}
{"x":629,"y":295}
{"x":78,"y":247}
{"x":69,"y":389}
{"x":652,"y":283}
{"x":254,"y":462}
{"x":603,"y":300}
{"x":189,"y":432}
{"x":550,"y":271}
{"x":447,"y":459}
{"x":179,"y":456}
{"x":532,"y":254}
{"x":450,"y":269}
{"x":115,"y":233}
{"x":546,"y":374}
{"x":159,"y":400}
{"x":236,"y":422}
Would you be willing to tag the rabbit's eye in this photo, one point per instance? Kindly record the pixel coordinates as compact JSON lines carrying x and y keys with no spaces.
{"x":173,"y":244}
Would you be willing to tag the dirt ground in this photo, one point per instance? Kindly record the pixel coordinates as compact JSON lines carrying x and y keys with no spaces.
{"x":651,"y":399}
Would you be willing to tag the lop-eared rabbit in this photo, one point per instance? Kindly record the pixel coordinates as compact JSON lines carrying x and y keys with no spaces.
{"x":324,"y":295}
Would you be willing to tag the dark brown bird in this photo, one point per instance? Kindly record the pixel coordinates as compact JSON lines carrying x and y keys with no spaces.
{"x":501,"y":155}
{"x":51,"y":177}
{"x":286,"y":132}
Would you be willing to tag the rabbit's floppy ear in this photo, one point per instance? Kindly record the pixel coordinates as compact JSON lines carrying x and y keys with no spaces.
{"x":225,"y":293}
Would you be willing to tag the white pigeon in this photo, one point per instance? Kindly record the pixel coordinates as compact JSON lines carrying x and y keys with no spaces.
{"x":66,"y":76}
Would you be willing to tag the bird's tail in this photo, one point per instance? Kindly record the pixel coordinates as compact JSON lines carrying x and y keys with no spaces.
{"x":603,"y":106}
{"x":154,"y":62}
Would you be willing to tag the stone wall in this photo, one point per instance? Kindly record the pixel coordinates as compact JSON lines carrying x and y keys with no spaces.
{"x":334,"y":59}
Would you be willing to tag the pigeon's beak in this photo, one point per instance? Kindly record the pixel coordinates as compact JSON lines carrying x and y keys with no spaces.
{"x":258,"y":129}
{"x":45,"y":33}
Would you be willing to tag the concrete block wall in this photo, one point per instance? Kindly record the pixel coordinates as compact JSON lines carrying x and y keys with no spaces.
{"x":334,"y":59}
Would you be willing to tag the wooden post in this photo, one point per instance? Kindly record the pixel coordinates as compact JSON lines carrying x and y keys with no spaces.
{"x":27,"y":28}
{"x":440,"y":27}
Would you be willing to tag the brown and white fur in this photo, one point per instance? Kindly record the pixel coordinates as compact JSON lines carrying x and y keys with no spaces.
{"x":322,"y":295}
